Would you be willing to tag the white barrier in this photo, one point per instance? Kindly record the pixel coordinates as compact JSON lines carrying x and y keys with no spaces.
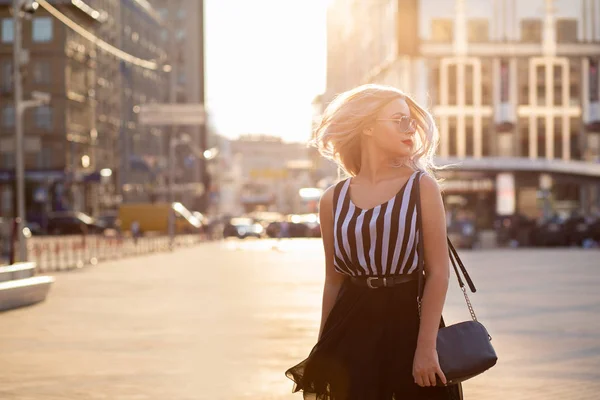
{"x":58,"y":253}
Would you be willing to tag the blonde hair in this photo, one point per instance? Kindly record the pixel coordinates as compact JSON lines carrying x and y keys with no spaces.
{"x":338,"y":136}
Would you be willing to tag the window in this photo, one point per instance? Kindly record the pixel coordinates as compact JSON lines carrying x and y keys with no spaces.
{"x":593,"y":81}
{"x":44,"y":158}
{"x":7,"y":30}
{"x":42,"y":29}
{"x":531,"y":30}
{"x":8,"y":117}
{"x":504,"y":81}
{"x":479,"y":31}
{"x":43,"y":117}
{"x":164,"y":13}
{"x":566,"y":31}
{"x":6,"y":79}
{"x":442,"y":30}
{"x":41,"y":72}
{"x":181,"y":78}
{"x":8,"y":160}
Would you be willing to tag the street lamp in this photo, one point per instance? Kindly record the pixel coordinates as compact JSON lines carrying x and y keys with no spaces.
{"x":21,"y":7}
{"x":183,"y":139}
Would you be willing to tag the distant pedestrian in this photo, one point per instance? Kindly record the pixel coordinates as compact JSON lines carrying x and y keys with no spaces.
{"x":372,"y":344}
{"x":135,"y":231}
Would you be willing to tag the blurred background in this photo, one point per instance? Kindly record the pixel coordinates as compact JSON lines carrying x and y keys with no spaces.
{"x":151,"y":102}
{"x":180,"y":101}
{"x":133,"y":127}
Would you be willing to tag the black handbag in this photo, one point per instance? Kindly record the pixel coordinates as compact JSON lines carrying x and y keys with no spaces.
{"x":464,"y":349}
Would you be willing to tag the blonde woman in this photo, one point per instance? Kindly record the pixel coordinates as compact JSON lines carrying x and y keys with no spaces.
{"x":372,"y":344}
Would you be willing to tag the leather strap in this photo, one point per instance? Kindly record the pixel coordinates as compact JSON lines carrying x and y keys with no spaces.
{"x":453,"y":254}
{"x":375,"y":282}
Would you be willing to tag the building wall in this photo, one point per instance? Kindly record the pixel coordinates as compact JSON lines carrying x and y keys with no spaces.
{"x":94,"y":95}
{"x":505,"y":80}
{"x":184,"y":20}
{"x":61,"y":64}
{"x":141,"y":147}
{"x":271,"y":172}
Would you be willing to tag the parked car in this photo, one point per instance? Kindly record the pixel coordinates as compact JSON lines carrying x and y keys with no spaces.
{"x":463,"y":234}
{"x":110,"y":219}
{"x":243,"y":228}
{"x":550,"y":232}
{"x":298,"y":226}
{"x":73,"y":223}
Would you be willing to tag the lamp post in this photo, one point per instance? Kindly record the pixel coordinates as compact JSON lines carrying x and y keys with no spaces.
{"x":183,"y":139}
{"x":19,"y":7}
{"x":19,"y":164}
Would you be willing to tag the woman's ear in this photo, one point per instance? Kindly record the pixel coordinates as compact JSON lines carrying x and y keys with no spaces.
{"x":368,"y":130}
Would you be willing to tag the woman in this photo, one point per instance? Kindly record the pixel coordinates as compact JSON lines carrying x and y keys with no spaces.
{"x":372,"y":344}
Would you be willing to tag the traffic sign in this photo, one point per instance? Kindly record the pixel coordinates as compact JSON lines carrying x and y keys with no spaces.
{"x":171,"y":114}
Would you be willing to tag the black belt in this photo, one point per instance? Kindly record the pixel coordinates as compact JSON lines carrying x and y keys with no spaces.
{"x":375,"y":282}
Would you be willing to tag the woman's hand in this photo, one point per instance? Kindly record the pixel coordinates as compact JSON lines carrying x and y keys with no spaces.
{"x":426,"y":366}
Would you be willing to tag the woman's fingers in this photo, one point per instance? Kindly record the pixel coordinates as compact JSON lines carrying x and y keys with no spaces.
{"x":418,"y":380}
{"x":442,"y":376}
{"x":425,"y":378}
{"x":432,"y":378}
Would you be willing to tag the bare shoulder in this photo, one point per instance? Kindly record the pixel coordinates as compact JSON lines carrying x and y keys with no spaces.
{"x":430,"y":191}
{"x":429,"y":185}
{"x":326,"y":202}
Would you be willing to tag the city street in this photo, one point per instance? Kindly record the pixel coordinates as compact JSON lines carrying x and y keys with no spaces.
{"x":224,"y":321}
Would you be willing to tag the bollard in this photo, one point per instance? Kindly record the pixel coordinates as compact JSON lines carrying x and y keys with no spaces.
{"x":69,"y":254}
{"x":48,"y":253}
{"x":13,"y":239}
{"x":57,"y":256}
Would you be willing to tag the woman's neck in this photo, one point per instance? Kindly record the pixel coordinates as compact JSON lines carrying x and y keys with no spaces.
{"x":375,"y":168}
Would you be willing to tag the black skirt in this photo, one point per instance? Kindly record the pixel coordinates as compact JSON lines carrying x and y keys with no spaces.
{"x":367,"y":348}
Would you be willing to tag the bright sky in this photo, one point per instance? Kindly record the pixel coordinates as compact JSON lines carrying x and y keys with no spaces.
{"x":265,"y":62}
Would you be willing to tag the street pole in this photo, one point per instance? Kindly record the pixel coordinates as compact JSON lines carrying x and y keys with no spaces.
{"x":171,"y":195}
{"x":19,"y":159}
{"x":172,"y":99}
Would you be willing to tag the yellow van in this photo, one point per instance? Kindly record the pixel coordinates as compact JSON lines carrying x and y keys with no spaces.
{"x":154,"y":217}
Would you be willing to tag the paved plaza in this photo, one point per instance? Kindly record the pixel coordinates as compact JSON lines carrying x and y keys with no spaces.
{"x":224,"y":320}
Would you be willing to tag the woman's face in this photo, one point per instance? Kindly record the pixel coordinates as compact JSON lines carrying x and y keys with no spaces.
{"x":394,"y":129}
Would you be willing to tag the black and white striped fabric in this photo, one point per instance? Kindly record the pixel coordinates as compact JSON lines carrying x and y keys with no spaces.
{"x":380,"y":241}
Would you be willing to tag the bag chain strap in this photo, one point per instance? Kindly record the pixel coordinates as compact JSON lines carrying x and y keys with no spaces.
{"x":453,"y":254}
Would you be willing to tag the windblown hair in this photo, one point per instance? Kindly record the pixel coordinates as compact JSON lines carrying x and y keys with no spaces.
{"x":338,"y":137}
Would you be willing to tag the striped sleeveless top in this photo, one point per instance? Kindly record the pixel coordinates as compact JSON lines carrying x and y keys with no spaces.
{"x":380,"y":241}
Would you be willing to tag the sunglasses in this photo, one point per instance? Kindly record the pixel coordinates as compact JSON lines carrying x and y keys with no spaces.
{"x":403,"y":124}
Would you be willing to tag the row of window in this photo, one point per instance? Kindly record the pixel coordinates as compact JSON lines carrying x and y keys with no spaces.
{"x":41,"y":30}
{"x":41,"y":73}
{"x":40,"y":69}
{"x":478,"y":30}
{"x":506,"y":142}
{"x":45,"y":158}
{"x":42,"y":116}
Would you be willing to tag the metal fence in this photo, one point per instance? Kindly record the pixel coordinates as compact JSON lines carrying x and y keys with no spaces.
{"x":61,"y":253}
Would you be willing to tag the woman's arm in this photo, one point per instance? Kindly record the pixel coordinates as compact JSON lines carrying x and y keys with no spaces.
{"x":333,"y":279}
{"x":437,"y":271}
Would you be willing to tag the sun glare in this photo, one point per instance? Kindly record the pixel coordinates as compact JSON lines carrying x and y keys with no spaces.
{"x":265,"y":64}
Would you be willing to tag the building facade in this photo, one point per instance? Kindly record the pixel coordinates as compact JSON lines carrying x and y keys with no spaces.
{"x":265,"y":174}
{"x":141,"y":150}
{"x":85,"y":150}
{"x":58,"y":138}
{"x":512,"y":85}
{"x":185,"y":19}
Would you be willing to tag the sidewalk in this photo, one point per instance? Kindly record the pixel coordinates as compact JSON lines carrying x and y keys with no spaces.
{"x":224,"y":321}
